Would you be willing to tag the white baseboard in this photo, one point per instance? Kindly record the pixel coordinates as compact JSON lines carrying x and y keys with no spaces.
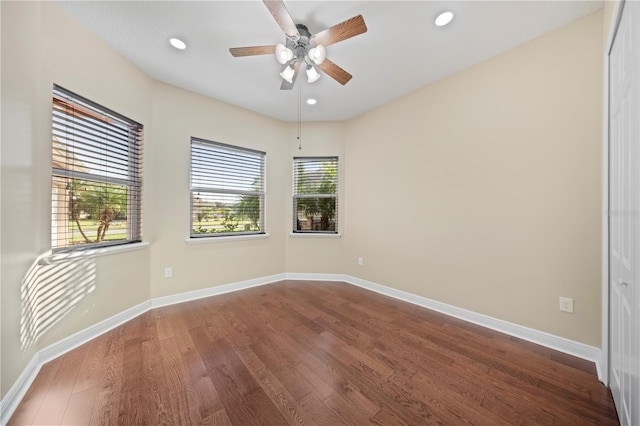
{"x":214,"y":291}
{"x":16,"y":393}
{"x":571,"y":347}
{"x":305,"y":276}
{"x":63,"y":346}
{"x":13,"y":397}
{"x":11,"y":400}
{"x":577,"y":349}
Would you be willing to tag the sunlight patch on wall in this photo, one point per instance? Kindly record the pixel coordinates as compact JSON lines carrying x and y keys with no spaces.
{"x":49,"y":292}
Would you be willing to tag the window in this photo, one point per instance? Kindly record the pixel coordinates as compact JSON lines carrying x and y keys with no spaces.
{"x":227,"y":190}
{"x":315,"y":195}
{"x":96,"y":175}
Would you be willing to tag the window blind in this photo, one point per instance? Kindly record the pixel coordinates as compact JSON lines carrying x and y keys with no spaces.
{"x":315,"y":194}
{"x":96,"y":174}
{"x":227,"y":189}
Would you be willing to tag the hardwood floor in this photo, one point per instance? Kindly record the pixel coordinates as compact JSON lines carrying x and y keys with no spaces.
{"x":313,"y":353}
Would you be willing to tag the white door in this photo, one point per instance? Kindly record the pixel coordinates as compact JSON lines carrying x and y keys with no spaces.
{"x":624,"y":202}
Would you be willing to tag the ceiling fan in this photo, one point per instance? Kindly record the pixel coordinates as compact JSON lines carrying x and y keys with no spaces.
{"x":302,"y":49}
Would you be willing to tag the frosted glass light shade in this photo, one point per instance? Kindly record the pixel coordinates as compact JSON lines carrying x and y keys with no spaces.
{"x":317,"y":54}
{"x":312,"y":74}
{"x":283,"y":53}
{"x":287,"y":74}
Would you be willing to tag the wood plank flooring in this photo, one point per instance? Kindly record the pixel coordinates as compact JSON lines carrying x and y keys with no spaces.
{"x":311,"y":353}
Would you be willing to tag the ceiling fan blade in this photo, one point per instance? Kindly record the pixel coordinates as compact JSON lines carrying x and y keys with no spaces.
{"x":253,"y":50}
{"x":282,"y":17}
{"x":335,"y":72}
{"x":285,"y":84}
{"x":342,"y":31}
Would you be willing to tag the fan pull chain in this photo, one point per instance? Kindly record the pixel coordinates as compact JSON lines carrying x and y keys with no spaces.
{"x":300,"y":116}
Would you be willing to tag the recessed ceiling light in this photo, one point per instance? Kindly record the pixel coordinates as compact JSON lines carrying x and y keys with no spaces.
{"x":177,"y":43}
{"x":444,"y":18}
{"x":311,"y":101}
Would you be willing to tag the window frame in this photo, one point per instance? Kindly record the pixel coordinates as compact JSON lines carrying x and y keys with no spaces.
{"x":261,"y":193}
{"x":131,"y":179}
{"x":295,"y":196}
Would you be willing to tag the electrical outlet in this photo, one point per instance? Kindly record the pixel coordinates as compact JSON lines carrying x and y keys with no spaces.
{"x":360,"y":261}
{"x":566,"y":304}
{"x":168,"y":272}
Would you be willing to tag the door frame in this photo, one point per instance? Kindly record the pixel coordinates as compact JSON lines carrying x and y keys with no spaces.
{"x":603,"y":368}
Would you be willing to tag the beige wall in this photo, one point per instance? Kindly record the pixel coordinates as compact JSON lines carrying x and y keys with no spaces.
{"x":483,"y":190}
{"x":178,"y":115}
{"x":609,"y":19}
{"x":39,"y":54}
{"x":37,"y":41}
{"x":315,"y":254}
{"x":494,"y":173}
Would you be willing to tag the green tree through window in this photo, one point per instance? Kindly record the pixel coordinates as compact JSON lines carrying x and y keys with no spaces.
{"x":96,"y":175}
{"x":315,"y":194}
{"x":227,"y":189}
{"x":100,"y":202}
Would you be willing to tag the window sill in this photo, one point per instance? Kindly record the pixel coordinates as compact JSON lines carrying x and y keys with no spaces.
{"x":89,"y":253}
{"x":313,"y":235}
{"x":207,"y":240}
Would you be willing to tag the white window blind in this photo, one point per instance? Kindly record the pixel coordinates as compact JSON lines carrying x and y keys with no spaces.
{"x":315,"y":194}
{"x":96,"y":175}
{"x":227,"y":189}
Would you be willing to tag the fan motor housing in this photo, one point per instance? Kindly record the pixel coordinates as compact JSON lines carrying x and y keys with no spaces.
{"x":302,"y":45}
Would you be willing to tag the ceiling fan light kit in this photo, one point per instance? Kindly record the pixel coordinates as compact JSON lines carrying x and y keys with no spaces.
{"x":304,"y":49}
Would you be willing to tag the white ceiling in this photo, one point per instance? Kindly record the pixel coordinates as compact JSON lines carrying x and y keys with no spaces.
{"x":402,"y":51}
